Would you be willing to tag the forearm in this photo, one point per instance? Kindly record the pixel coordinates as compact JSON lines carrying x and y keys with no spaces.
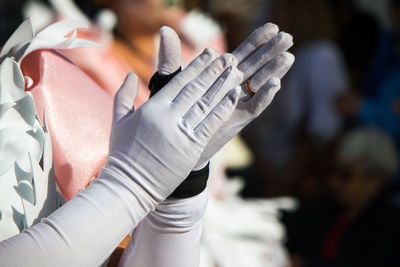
{"x":172,"y":232}
{"x":84,"y":231}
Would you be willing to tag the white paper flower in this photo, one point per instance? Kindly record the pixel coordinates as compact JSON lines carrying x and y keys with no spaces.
{"x":23,"y":41}
{"x":27,"y":183}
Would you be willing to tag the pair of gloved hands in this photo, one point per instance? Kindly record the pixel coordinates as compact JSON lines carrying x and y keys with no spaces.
{"x":197,"y":112}
{"x":153,"y":149}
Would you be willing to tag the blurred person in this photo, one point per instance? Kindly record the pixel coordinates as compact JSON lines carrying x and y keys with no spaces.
{"x":138,"y":22}
{"x":379,"y":105}
{"x":357,"y":36}
{"x":303,"y":118}
{"x":358,"y":224}
{"x":129,"y":32}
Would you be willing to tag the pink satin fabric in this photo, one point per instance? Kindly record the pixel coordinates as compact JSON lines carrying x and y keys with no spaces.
{"x":78,"y":114}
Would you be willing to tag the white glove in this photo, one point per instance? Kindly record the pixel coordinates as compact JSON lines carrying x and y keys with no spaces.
{"x":262,"y":58}
{"x":169,"y":133}
{"x":169,"y":236}
{"x":174,"y":228}
{"x":151,"y":152}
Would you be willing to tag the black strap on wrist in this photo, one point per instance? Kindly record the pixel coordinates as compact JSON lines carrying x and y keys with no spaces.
{"x":158,"y":81}
{"x":193,"y":185}
{"x":196,"y":182}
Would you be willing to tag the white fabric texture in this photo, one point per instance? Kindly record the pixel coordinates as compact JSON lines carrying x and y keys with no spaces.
{"x":172,"y":232}
{"x":151,"y":151}
{"x":174,"y":228}
{"x":169,"y":53}
{"x":263,"y":60}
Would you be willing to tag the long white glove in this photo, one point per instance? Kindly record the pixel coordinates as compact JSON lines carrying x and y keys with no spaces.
{"x":169,"y":236}
{"x":174,"y":228}
{"x":151,"y":152}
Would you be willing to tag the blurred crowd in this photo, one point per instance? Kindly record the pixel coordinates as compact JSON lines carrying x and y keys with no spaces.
{"x":331,"y":137}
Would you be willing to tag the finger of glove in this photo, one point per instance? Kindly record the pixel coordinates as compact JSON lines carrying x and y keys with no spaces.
{"x":256,"y":39}
{"x":265,"y":53}
{"x":206,"y":129}
{"x":260,"y":101}
{"x":228,"y":80}
{"x":201,"y":84}
{"x":277,"y":67}
{"x":174,"y":87}
{"x":169,"y":53}
{"x":125,"y":97}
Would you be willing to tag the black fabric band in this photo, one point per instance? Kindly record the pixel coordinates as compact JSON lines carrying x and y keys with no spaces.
{"x":193,"y":185}
{"x":158,"y":81}
{"x":196,"y":182}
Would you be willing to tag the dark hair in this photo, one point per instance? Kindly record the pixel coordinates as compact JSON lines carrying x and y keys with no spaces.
{"x":395,"y":3}
{"x":310,"y":19}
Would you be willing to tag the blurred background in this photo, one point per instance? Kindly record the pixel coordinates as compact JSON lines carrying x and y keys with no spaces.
{"x":314,"y":181}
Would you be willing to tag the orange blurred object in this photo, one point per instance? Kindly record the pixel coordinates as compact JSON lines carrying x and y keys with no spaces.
{"x":104,"y":66}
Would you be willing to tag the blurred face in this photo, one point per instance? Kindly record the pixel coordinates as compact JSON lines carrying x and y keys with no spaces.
{"x":351,"y":186}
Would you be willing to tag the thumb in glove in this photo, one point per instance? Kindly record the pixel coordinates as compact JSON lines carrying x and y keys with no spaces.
{"x":125,"y":97}
{"x":169,"y":53}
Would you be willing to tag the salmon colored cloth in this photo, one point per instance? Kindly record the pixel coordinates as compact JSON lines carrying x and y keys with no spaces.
{"x":78,"y":114}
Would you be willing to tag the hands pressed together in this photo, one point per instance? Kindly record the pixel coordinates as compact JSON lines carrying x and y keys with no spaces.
{"x":153,"y":149}
{"x":210,"y":87}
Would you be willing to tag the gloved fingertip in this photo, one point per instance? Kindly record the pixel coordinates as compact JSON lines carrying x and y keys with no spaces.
{"x":131,"y":85}
{"x":233,"y":59}
{"x":167,"y":31}
{"x":274,"y":83}
{"x":126,"y":96}
{"x":227,"y":61}
{"x":169,"y":56}
{"x":288,"y":58}
{"x":285,"y":38}
{"x":270,"y":27}
{"x":131,"y":77}
{"x":211,"y":51}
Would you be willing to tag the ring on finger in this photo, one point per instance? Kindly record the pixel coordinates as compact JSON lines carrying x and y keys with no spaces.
{"x":249,"y":89}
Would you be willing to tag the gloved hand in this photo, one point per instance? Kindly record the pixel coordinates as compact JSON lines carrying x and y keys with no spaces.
{"x":151,"y":151}
{"x":159,"y":144}
{"x":263,"y":61}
